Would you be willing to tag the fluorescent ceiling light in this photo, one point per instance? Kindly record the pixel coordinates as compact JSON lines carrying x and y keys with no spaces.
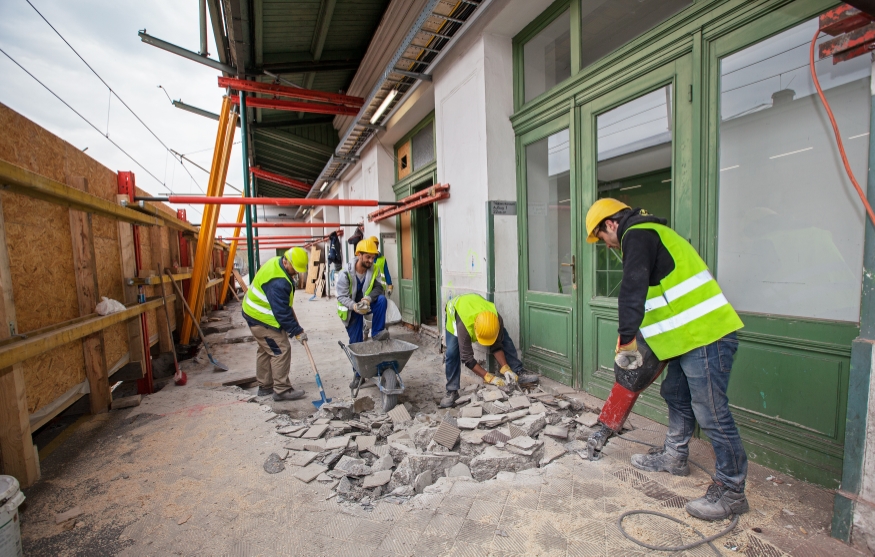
{"x":386,"y":102}
{"x":324,"y":185}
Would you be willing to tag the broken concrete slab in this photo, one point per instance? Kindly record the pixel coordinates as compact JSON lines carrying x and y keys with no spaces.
{"x":493,"y":408}
{"x":295,"y":444}
{"x":301,"y":458}
{"x":524,"y":443}
{"x":537,"y":408}
{"x":344,"y":486}
{"x":446,"y":434}
{"x":422,"y":481}
{"x":400,"y":451}
{"x":310,"y":472}
{"x":365,"y":441}
{"x":423,"y":437}
{"x":463,"y":400}
{"x":492,"y":420}
{"x":468,"y":423}
{"x":474,"y":437}
{"x":438,"y":463}
{"x":493,"y":460}
{"x":397,"y":436}
{"x":315,"y":445}
{"x":290,"y":429}
{"x":590,"y":419}
{"x":363,"y":404}
{"x":491,"y":395}
{"x":472,"y":412}
{"x":515,"y":431}
{"x":494,"y":437}
{"x":377,"y":479}
{"x":557,"y":431}
{"x":519,"y":401}
{"x":399,"y":414}
{"x":460,"y":470}
{"x":379,"y":450}
{"x":336,"y":443}
{"x":338,"y":409}
{"x":532,"y":424}
{"x":516,"y":414}
{"x":383,"y":463}
{"x":322,"y":421}
{"x":316,"y":431}
{"x":552,"y":451}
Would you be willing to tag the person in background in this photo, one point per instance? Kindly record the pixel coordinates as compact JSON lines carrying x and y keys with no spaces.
{"x":381,"y":269}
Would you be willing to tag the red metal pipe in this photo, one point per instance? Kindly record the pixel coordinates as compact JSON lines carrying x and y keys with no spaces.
{"x":279,"y":179}
{"x":428,"y":192}
{"x":407,"y":207}
{"x":273,"y":201}
{"x":294,"y":106}
{"x":264,"y":239}
{"x":287,"y":225}
{"x":283,"y":91}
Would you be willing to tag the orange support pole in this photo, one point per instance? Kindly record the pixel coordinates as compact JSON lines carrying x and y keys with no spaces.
{"x":232,"y":252}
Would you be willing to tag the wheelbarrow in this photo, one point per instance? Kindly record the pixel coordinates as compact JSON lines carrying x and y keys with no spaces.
{"x":383,"y":360}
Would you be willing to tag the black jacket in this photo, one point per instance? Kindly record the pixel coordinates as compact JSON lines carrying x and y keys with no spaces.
{"x":646,"y":261}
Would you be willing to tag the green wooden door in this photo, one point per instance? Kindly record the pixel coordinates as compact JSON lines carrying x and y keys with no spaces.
{"x":636,"y":147}
{"x":548,"y":228}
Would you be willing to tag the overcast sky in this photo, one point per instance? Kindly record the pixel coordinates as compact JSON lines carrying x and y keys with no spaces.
{"x":104,"y":32}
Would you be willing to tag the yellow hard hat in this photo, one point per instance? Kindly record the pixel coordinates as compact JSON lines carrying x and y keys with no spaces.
{"x":600,"y":210}
{"x":366,"y":246}
{"x":298,"y":258}
{"x":375,"y":240}
{"x":486,"y":328}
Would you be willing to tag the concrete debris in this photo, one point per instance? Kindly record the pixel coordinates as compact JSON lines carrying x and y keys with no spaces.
{"x":515,"y":431}
{"x":532,"y":424}
{"x":491,"y":395}
{"x":315,"y":445}
{"x":290,"y":429}
{"x":336,"y":443}
{"x":377,"y":479}
{"x":492,"y":420}
{"x":517,"y":402}
{"x":338,"y":410}
{"x":126,"y":402}
{"x":494,"y":460}
{"x":274,"y":464}
{"x":397,"y":436}
{"x":363,"y":404}
{"x":382,"y":464}
{"x":552,"y":451}
{"x":460,"y":470}
{"x":365,"y":441}
{"x":316,"y":431}
{"x":563,"y":405}
{"x":446,"y":434}
{"x":379,"y":450}
{"x":559,"y":432}
{"x":537,"y":408}
{"x":422,"y":481}
{"x":322,"y":421}
{"x":295,"y":444}
{"x":344,"y":486}
{"x":590,"y":419}
{"x":472,"y":412}
{"x":495,"y":436}
{"x":301,"y":458}
{"x":468,"y":423}
{"x":310,"y":472}
{"x":399,"y":415}
{"x":493,"y":408}
{"x":423,"y":437}
{"x":463,"y":400}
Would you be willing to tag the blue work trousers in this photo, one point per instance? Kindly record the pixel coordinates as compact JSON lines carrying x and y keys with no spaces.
{"x":454,"y":360}
{"x":356,"y":327}
{"x":695,"y":390}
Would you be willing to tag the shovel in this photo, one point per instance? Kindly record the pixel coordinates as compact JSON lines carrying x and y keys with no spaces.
{"x":222,"y":367}
{"x":180,"y":378}
{"x":317,"y":403}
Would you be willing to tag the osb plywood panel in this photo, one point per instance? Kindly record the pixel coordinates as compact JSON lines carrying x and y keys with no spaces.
{"x":109,"y":268}
{"x":50,"y":375}
{"x":115,"y":343}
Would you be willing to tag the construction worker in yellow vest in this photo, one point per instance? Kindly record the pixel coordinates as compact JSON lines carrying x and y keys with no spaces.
{"x":470,"y":318}
{"x":381,"y":269}
{"x":669,"y":299}
{"x":267,"y":308}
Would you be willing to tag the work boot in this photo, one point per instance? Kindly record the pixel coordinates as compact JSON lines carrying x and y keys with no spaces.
{"x":450,"y":399}
{"x":718,"y":503}
{"x":382,"y":335}
{"x":658,"y":460}
{"x":290,"y":394}
{"x":265,"y":391}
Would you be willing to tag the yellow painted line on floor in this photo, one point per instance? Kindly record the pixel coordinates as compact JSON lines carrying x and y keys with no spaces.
{"x":56,"y":442}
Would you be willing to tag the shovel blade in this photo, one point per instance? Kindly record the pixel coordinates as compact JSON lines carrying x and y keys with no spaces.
{"x":318,"y":403}
{"x":222,"y":367}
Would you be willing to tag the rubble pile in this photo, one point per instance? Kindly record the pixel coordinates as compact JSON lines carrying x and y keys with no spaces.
{"x":366,"y":454}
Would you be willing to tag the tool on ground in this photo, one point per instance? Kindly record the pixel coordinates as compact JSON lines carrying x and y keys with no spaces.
{"x":383,"y":360}
{"x":180,"y":378}
{"x":197,"y":326}
{"x":629,"y":384}
{"x":317,"y":403}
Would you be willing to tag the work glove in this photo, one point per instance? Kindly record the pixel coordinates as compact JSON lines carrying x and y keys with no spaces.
{"x":301,"y":338}
{"x":493,"y":380}
{"x":509,"y":376}
{"x":362,"y":308}
{"x":628,"y":356}
{"x":389,"y":290}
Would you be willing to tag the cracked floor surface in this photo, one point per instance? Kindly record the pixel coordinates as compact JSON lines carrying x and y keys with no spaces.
{"x":182,"y":475}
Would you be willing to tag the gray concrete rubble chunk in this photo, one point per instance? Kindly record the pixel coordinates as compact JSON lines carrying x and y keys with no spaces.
{"x":492,"y":420}
{"x":468,"y":423}
{"x":315,"y":445}
{"x":397,"y":436}
{"x":322,"y":421}
{"x":423,"y":437}
{"x":338,"y":424}
{"x":537,"y":408}
{"x":295,"y":444}
{"x":274,"y":464}
{"x":471,"y":388}
{"x":499,"y":407}
{"x":347,"y":462}
{"x":519,"y":401}
{"x":532,"y":424}
{"x":446,"y":434}
{"x":399,"y":451}
{"x":437,"y":463}
{"x":473,"y":437}
{"x":422,"y":481}
{"x":301,"y":458}
{"x":492,"y":408}
{"x":515,"y":431}
{"x":494,"y":437}
{"x":316,"y":431}
{"x":399,"y":414}
{"x":345,"y":486}
{"x":379,"y":450}
{"x":339,"y":409}
{"x":336,"y":443}
{"x":324,"y":478}
{"x":459,"y":471}
{"x":310,"y":472}
{"x":363,"y":404}
{"x":332,"y":458}
{"x":472,"y":412}
{"x":557,"y":431}
{"x":377,"y":479}
{"x":290,"y":429}
{"x":590,"y":419}
{"x":365,"y":441}
{"x":552,"y":451}
{"x":383,"y":463}
{"x":516,"y":414}
{"x":517,"y":450}
{"x":492,"y":395}
{"x":463,"y":399}
{"x":402,"y":476}
{"x":359,"y":425}
{"x":524,"y":443}
{"x":563,"y":405}
{"x":494,"y":460}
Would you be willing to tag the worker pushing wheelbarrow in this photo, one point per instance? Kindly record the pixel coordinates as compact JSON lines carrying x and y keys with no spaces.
{"x":382,"y":360}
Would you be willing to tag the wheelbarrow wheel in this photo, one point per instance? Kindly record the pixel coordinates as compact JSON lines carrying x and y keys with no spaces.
{"x":390,"y":381}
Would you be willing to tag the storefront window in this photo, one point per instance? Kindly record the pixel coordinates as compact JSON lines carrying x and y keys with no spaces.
{"x":547,"y":57}
{"x":606,"y":25}
{"x":790,"y":233}
{"x":548,"y":193}
{"x":634,"y":166}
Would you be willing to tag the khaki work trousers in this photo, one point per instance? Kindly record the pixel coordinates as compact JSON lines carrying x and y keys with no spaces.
{"x":273,"y":358}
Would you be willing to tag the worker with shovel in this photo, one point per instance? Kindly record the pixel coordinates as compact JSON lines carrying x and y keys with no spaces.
{"x":671,"y":310}
{"x":470,"y":318}
{"x":267,"y":308}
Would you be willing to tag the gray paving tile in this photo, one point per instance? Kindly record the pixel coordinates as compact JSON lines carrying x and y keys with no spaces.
{"x":486,"y":512}
{"x":400,"y":540}
{"x":455,"y":505}
{"x":444,"y":526}
{"x":476,"y":533}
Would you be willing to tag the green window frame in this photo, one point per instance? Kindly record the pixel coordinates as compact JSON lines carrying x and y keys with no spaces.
{"x":416,"y":173}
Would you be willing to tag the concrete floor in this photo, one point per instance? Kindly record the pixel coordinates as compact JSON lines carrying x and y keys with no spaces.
{"x":182,"y":475}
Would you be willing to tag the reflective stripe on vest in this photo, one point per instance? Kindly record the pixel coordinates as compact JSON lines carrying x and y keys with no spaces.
{"x":686,"y":309}
{"x":342,"y":310}
{"x":255,"y":302}
{"x":468,"y":306}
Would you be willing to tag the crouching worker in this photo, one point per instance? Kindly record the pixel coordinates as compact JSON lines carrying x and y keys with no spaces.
{"x":359,"y":293}
{"x":267,"y":308}
{"x":470,"y":318}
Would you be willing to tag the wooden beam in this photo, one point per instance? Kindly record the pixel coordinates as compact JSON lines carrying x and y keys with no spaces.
{"x":169,"y":221}
{"x":51,"y":410}
{"x":31,"y":184}
{"x":87,"y":290}
{"x":17,"y":455}
{"x":156,"y":280}
{"x":165,"y":343}
{"x":239,"y":280}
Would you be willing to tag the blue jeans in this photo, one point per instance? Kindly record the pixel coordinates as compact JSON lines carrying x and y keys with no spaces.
{"x":695,"y":390}
{"x":356,"y":327}
{"x":454,"y":360}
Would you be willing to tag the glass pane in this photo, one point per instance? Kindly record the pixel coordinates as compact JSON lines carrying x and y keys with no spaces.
{"x":547,"y":57}
{"x":423,"y":146}
{"x":548,"y":187}
{"x":607,"y":25}
{"x":790,"y":232}
{"x":634,"y":166}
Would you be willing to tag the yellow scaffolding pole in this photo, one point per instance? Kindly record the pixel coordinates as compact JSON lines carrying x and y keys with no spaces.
{"x":232,"y":253}
{"x":207,"y":235}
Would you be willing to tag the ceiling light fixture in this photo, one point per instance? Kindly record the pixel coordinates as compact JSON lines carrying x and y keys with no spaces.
{"x":386,"y":102}
{"x":324,"y":185}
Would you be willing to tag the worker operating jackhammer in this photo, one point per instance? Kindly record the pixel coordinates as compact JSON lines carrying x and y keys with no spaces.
{"x":267,"y":308}
{"x":470,"y":318}
{"x":359,"y":293}
{"x":672,"y":314}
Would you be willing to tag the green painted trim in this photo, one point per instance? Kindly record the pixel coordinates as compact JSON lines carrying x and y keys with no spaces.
{"x":490,"y":255}
{"x":408,"y":186}
{"x":429,"y":119}
{"x":405,"y":187}
{"x":529,"y":31}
